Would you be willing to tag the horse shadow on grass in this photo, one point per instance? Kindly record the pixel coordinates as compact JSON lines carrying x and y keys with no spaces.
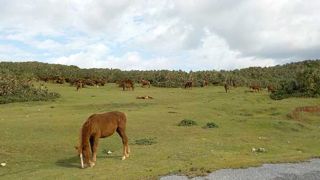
{"x":71,"y":162}
{"x":74,"y":162}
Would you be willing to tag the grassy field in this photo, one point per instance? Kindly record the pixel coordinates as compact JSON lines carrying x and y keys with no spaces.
{"x":37,"y":139}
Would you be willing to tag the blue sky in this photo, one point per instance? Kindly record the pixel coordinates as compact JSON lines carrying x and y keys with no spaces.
{"x":147,"y":35}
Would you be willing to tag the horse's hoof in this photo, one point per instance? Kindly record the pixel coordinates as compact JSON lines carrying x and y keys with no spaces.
{"x":84,"y":166}
{"x":92,"y":164}
{"x":123,"y":157}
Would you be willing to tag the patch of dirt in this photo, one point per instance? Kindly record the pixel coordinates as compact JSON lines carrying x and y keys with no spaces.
{"x":296,"y":113}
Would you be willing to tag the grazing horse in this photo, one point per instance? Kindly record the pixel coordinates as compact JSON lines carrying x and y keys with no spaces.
{"x":145,"y":83}
{"x":127,"y":84}
{"x":101,"y":126}
{"x":79,"y":85}
{"x":226,"y":87}
{"x":255,"y":88}
{"x":188,"y":84}
{"x":271,"y":88}
{"x":204,"y":83}
{"x":59,"y":80}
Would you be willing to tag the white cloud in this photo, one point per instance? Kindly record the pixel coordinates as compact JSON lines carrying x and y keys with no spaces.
{"x":215,"y":53}
{"x":134,"y":61}
{"x":161,"y":34}
{"x":97,"y":58}
{"x":265,"y":28}
{"x":12,"y":53}
{"x":92,"y":57}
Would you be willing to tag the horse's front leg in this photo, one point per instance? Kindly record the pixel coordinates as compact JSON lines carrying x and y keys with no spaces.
{"x":95,"y":148}
{"x":94,"y":145}
{"x":124,"y":138}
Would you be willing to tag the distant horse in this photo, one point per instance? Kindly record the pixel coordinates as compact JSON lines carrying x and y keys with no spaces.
{"x":271,"y":88}
{"x":144,"y":97}
{"x":226,"y":87}
{"x":59,"y":80}
{"x":255,"y":88}
{"x":145,"y":83}
{"x":127,"y":84}
{"x":101,"y":126}
{"x":188,"y":84}
{"x":204,"y":83}
{"x":79,"y":85}
{"x":99,"y":82}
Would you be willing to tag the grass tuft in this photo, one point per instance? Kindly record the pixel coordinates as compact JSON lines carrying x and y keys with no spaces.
{"x":187,"y":122}
{"x":211,"y":125}
{"x":145,"y":141}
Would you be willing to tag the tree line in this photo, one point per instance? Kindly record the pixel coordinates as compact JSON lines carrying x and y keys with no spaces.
{"x":292,"y":79}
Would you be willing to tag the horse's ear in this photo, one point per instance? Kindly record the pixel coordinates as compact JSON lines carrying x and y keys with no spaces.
{"x":78,"y":148}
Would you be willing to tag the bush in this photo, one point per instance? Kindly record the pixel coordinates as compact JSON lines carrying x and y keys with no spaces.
{"x":279,"y":94}
{"x":306,"y":84}
{"x":145,"y":141}
{"x":187,"y":122}
{"x":211,"y":125}
{"x":14,"y":90}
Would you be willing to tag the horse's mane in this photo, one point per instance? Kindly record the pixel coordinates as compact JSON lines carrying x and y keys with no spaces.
{"x":84,"y":132}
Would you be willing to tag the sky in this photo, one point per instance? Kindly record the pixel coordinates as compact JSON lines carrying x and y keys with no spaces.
{"x":165,"y":34}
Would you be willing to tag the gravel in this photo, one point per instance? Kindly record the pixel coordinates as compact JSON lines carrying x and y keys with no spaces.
{"x":309,"y":170}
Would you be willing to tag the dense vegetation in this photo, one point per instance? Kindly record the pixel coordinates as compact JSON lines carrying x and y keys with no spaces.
{"x":305,"y":84}
{"x":13,"y":89}
{"x":294,"y":79}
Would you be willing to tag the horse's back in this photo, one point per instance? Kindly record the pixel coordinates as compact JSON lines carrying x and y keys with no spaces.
{"x":107,"y":123}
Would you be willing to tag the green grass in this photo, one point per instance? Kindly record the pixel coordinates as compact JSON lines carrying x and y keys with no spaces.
{"x":38,"y":138}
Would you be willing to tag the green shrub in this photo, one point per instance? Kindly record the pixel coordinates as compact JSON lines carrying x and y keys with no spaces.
{"x":306,"y":84}
{"x":211,"y":125}
{"x":145,"y":141}
{"x":187,"y":122}
{"x":14,"y":90}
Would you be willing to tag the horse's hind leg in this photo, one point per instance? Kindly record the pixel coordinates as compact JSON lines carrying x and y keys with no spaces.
{"x":124,"y":138}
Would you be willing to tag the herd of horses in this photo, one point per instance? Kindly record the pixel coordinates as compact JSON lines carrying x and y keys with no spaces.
{"x":127,"y":84}
{"x":104,"y":125}
{"x":253,"y":87}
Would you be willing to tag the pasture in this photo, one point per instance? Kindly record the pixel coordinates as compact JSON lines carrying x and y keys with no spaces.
{"x":37,"y":139}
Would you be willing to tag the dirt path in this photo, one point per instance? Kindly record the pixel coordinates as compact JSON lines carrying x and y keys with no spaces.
{"x":309,"y":170}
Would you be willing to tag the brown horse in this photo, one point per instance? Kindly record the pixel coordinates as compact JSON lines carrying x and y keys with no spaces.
{"x":204,"y":83}
{"x":127,"y":84}
{"x":144,"y":97}
{"x":188,"y":84}
{"x":271,"y":88}
{"x":145,"y":83}
{"x":101,"y":126}
{"x":226,"y":87}
{"x":255,"y":88}
{"x":79,"y":85}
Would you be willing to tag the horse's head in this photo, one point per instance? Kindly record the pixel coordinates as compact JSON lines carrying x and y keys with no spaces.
{"x":83,"y":153}
{"x":79,"y":152}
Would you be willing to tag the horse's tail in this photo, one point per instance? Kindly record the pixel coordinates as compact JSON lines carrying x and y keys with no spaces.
{"x":124,"y":118}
